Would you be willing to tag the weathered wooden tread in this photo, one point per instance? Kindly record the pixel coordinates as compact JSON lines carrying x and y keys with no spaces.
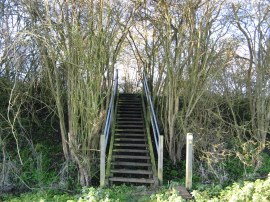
{"x":130,"y":145}
{"x":135,"y":180}
{"x":119,"y":126}
{"x":130,"y":118}
{"x":132,"y":108}
{"x":129,"y":94}
{"x":136,"y":164}
{"x":129,"y":111}
{"x":131,"y":150}
{"x":127,"y":116}
{"x":137,"y":109}
{"x":130,"y":134}
{"x":130,"y":126}
{"x":131,"y":139}
{"x":129,"y":103}
{"x":183,"y":192}
{"x":128,"y":171}
{"x":129,"y":130}
{"x":129,"y":98}
{"x":128,"y":107}
{"x":127,"y":122}
{"x":130,"y":157}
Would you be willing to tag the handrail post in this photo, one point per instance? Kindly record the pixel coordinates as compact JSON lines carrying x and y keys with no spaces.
{"x":102,"y":160}
{"x":160,"y":159}
{"x":159,"y":139}
{"x":108,"y":124}
{"x":189,"y":157}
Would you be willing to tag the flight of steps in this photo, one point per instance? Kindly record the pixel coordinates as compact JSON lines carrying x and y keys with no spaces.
{"x":131,"y":162}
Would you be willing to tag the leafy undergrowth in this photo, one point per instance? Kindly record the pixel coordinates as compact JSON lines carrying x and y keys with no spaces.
{"x":245,"y":191}
{"x":237,"y":192}
{"x":40,"y":196}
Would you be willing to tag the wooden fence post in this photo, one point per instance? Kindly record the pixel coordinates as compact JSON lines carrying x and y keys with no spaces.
{"x":160,"y":159}
{"x":102,"y":160}
{"x":189,"y":159}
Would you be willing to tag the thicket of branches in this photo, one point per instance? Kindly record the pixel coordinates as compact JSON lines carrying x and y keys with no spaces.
{"x":208,"y":62}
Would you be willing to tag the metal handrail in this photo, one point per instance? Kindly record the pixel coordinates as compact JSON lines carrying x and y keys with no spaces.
{"x":109,"y":116}
{"x":152,"y":112}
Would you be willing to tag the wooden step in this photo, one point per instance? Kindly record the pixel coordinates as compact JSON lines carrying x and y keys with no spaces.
{"x":130,"y":145}
{"x":135,"y":180}
{"x":134,"y":105}
{"x":129,"y":126}
{"x":130,"y":157}
{"x":183,"y":192}
{"x":131,"y":150}
{"x":129,"y":119}
{"x":133,"y":164}
{"x":134,"y":128}
{"x":129,"y":94}
{"x":130,"y":130}
{"x":130,"y":135}
{"x":129,"y":115}
{"x":131,"y":139}
{"x":128,"y":171}
{"x":128,"y":101}
{"x":133,"y":109}
{"x":129,"y":97}
{"x":128,"y":107}
{"x":129,"y":112}
{"x":127,"y":122}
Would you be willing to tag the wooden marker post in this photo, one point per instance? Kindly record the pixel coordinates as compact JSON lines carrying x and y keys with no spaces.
{"x":189,"y":159}
{"x":102,"y":160}
{"x":160,"y":159}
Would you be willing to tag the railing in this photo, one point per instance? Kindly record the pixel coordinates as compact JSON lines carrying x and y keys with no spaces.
{"x":104,"y":138}
{"x":158,"y":139}
{"x":110,"y":112}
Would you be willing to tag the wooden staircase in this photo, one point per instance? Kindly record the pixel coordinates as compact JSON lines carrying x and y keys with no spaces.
{"x":130,"y":156}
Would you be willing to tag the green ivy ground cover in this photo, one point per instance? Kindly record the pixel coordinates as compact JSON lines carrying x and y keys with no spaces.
{"x":257,"y":191}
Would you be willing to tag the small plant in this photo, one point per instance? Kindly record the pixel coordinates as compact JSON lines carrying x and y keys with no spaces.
{"x":173,"y":172}
{"x":265,"y":167}
{"x":168,"y":196}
